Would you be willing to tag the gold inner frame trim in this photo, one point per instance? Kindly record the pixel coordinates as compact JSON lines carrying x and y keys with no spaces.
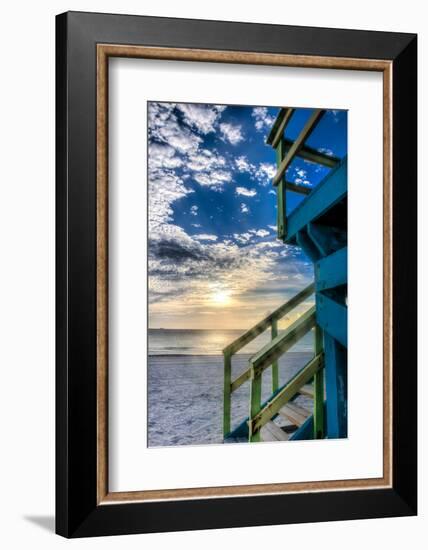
{"x":104,"y":51}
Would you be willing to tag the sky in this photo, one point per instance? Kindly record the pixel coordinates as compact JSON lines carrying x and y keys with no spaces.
{"x":214,"y":259}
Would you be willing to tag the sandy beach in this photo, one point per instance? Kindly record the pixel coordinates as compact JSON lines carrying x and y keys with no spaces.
{"x":185,"y":396}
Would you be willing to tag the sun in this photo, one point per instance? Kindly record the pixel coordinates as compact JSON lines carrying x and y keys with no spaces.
{"x":220,"y":297}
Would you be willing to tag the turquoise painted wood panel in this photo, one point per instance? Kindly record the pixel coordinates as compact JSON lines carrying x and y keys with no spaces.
{"x":332,"y":271}
{"x":336,"y":380}
{"x":330,"y":191}
{"x":332,"y":318}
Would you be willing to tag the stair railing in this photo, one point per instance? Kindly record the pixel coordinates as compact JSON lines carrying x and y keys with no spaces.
{"x":271,"y":321}
{"x":262,"y":415}
{"x":286,"y":150}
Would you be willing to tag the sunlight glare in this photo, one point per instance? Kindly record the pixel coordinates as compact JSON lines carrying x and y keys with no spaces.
{"x":220,"y":297}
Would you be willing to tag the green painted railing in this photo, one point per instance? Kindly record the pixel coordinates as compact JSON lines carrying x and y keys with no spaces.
{"x":266,"y":357}
{"x":286,"y":151}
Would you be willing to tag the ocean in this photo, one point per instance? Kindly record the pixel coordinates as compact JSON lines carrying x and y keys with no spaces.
{"x":185,"y":383}
{"x":209,"y":342}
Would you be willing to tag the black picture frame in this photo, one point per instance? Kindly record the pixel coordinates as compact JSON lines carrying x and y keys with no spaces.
{"x":78,"y":513}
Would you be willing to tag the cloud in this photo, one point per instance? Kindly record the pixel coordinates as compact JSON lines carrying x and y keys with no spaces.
{"x":249,"y":236}
{"x":164,"y":127}
{"x":265,"y":173}
{"x":165,"y":186}
{"x":163,"y":156}
{"x":199,"y":116}
{"x":243,"y":165}
{"x":194,"y":210}
{"x":299,"y":175}
{"x":214,"y":179}
{"x":245,"y":192}
{"x":335,"y":114}
{"x":205,"y":237}
{"x":203,"y":160}
{"x":261,"y":232}
{"x":262,"y":118}
{"x":244,"y":208}
{"x":196,"y":225}
{"x":231,"y":133}
{"x":209,"y":168}
{"x":326,"y":151}
{"x":242,"y":238}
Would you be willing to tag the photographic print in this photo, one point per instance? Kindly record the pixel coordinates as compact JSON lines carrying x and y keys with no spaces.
{"x":247,"y":262}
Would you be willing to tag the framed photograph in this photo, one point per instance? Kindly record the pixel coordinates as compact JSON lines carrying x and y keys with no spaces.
{"x":236,"y":274}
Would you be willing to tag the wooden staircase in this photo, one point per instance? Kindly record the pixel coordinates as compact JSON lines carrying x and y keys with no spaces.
{"x":318,"y":226}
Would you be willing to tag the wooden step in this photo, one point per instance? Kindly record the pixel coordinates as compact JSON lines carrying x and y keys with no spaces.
{"x":272,"y":432}
{"x":299,"y":409}
{"x":296,"y":414}
{"x":307,"y":390}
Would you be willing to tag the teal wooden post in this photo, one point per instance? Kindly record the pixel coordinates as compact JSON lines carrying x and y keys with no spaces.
{"x":281,"y":194}
{"x":318,"y":389}
{"x":275,"y":373}
{"x":255,"y":402}
{"x":336,"y":386}
{"x":227,"y":393}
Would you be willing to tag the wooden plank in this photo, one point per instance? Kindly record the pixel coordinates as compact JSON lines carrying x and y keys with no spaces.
{"x":307,"y":245}
{"x":301,"y":138}
{"x":292,"y":415}
{"x":326,"y":194}
{"x":299,"y":410}
{"x":255,"y":405}
{"x":307,"y":390}
{"x":277,"y":347}
{"x":336,"y":377}
{"x":243,"y":377}
{"x":273,"y":406}
{"x":227,"y":394}
{"x":281,"y":197}
{"x":312,"y":155}
{"x":275,"y":372}
{"x":261,"y":326}
{"x":332,"y":317}
{"x":282,"y":126}
{"x":276,"y":124}
{"x":276,"y":431}
{"x":319,"y":389}
{"x":300,"y":189}
{"x":332,"y":271}
{"x":266,"y":435}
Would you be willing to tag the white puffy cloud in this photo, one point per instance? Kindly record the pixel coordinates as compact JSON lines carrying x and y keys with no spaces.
{"x":231,"y":133}
{"x":261,"y":233}
{"x":203,"y":159}
{"x":164,"y":127}
{"x":209,"y":168}
{"x":265,"y":173}
{"x":244,"y":208}
{"x":245,"y":192}
{"x":205,"y":237}
{"x":262,"y":118}
{"x":243,"y":165}
{"x":194,"y":210}
{"x":214,"y":179}
{"x":200,"y":116}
